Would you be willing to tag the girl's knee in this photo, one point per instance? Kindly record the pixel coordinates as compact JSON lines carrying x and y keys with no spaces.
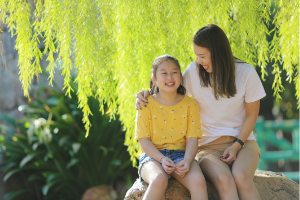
{"x":199,"y":180}
{"x":160,"y":180}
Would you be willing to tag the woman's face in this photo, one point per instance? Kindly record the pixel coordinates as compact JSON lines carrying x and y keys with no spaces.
{"x":168,"y":77}
{"x":203,"y":57}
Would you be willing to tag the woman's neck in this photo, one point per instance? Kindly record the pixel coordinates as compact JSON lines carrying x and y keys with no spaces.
{"x":168,"y":99}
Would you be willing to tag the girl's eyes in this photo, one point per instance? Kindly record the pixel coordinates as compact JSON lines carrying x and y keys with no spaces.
{"x":166,"y":73}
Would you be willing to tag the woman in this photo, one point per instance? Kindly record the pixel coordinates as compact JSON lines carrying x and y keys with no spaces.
{"x":228,"y":92}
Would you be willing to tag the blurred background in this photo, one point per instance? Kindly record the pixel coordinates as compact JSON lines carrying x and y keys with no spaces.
{"x":45,"y":155}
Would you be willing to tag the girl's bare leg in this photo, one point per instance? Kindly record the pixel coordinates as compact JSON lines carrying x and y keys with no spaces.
{"x":194,"y":181}
{"x":243,"y":170}
{"x":220,"y":175}
{"x":153,"y":173}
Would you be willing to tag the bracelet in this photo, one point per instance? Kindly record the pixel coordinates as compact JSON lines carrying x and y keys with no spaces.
{"x":239,"y":141}
{"x":161,"y":159}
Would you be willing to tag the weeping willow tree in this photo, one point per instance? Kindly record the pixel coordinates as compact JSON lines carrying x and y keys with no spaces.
{"x":112,"y":44}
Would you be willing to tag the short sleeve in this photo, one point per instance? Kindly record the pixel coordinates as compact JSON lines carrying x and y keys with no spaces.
{"x":254,"y":89}
{"x":142,"y":124}
{"x":193,"y":124}
{"x":186,"y":79}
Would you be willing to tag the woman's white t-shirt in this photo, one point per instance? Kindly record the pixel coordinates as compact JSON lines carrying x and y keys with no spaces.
{"x":223,"y":117}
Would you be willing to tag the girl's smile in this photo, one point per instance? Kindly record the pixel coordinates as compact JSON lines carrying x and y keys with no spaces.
{"x":171,"y":84}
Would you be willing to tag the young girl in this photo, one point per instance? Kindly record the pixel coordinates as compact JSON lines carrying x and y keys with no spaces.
{"x":228,"y":92}
{"x":168,"y":130}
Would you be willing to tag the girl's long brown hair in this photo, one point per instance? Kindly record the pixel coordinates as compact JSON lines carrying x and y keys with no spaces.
{"x":222,"y":78}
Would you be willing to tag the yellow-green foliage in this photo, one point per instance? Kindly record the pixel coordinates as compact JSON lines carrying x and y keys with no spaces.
{"x":112,"y":43}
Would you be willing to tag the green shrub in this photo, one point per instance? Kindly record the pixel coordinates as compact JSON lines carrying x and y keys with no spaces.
{"x":49,"y":144}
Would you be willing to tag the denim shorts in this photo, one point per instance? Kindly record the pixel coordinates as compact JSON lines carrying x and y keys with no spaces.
{"x":174,"y":155}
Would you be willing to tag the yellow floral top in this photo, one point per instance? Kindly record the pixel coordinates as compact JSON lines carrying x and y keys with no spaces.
{"x":168,"y":126}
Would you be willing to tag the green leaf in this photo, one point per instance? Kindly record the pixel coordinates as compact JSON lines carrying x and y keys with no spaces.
{"x":52,"y":176}
{"x":36,"y":176}
{"x":28,"y":158}
{"x":10,"y":173}
{"x":46,"y":187}
{"x":14,"y":194}
{"x":52,"y":101}
{"x":8,"y":119}
{"x":73,"y":161}
{"x":116,"y":162}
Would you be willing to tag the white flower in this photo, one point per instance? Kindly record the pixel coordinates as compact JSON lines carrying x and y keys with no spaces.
{"x":39,"y":122}
{"x":154,"y":132}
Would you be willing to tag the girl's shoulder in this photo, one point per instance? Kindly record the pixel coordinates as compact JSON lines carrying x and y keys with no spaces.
{"x":190,"y":100}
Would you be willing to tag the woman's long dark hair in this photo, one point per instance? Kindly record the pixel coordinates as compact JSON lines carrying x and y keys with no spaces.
{"x":222,"y":78}
{"x":153,"y":88}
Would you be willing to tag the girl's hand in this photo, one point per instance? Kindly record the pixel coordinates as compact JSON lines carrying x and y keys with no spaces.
{"x":230,"y":153}
{"x":141,"y":99}
{"x":168,"y":165}
{"x":182,"y":168}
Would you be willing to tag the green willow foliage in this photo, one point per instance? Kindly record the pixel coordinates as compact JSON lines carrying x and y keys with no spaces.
{"x":112,"y":44}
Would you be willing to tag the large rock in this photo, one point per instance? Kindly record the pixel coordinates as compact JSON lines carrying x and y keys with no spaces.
{"x":270,"y":185}
{"x":100,"y":192}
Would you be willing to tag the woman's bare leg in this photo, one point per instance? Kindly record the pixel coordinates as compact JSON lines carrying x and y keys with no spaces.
{"x":153,"y":173}
{"x":220,"y":175}
{"x":243,"y":170}
{"x":194,"y":181}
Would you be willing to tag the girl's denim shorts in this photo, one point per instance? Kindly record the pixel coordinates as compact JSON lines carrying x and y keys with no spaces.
{"x":174,"y":155}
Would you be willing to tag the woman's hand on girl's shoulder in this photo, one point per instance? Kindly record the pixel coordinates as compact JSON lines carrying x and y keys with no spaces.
{"x":141,"y":99}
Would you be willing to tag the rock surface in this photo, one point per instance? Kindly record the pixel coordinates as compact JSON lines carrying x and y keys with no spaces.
{"x":101,"y":192}
{"x":270,"y":186}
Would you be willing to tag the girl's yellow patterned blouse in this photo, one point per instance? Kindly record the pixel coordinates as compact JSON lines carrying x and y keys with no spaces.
{"x":169,"y":126}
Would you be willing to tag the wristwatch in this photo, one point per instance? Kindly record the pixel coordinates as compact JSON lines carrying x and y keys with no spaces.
{"x":239,"y":141}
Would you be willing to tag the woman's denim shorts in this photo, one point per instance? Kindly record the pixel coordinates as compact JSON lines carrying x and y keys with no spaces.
{"x":174,"y":155}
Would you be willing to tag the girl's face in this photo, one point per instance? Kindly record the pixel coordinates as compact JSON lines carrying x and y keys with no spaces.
{"x":203,"y":57}
{"x":168,"y":77}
